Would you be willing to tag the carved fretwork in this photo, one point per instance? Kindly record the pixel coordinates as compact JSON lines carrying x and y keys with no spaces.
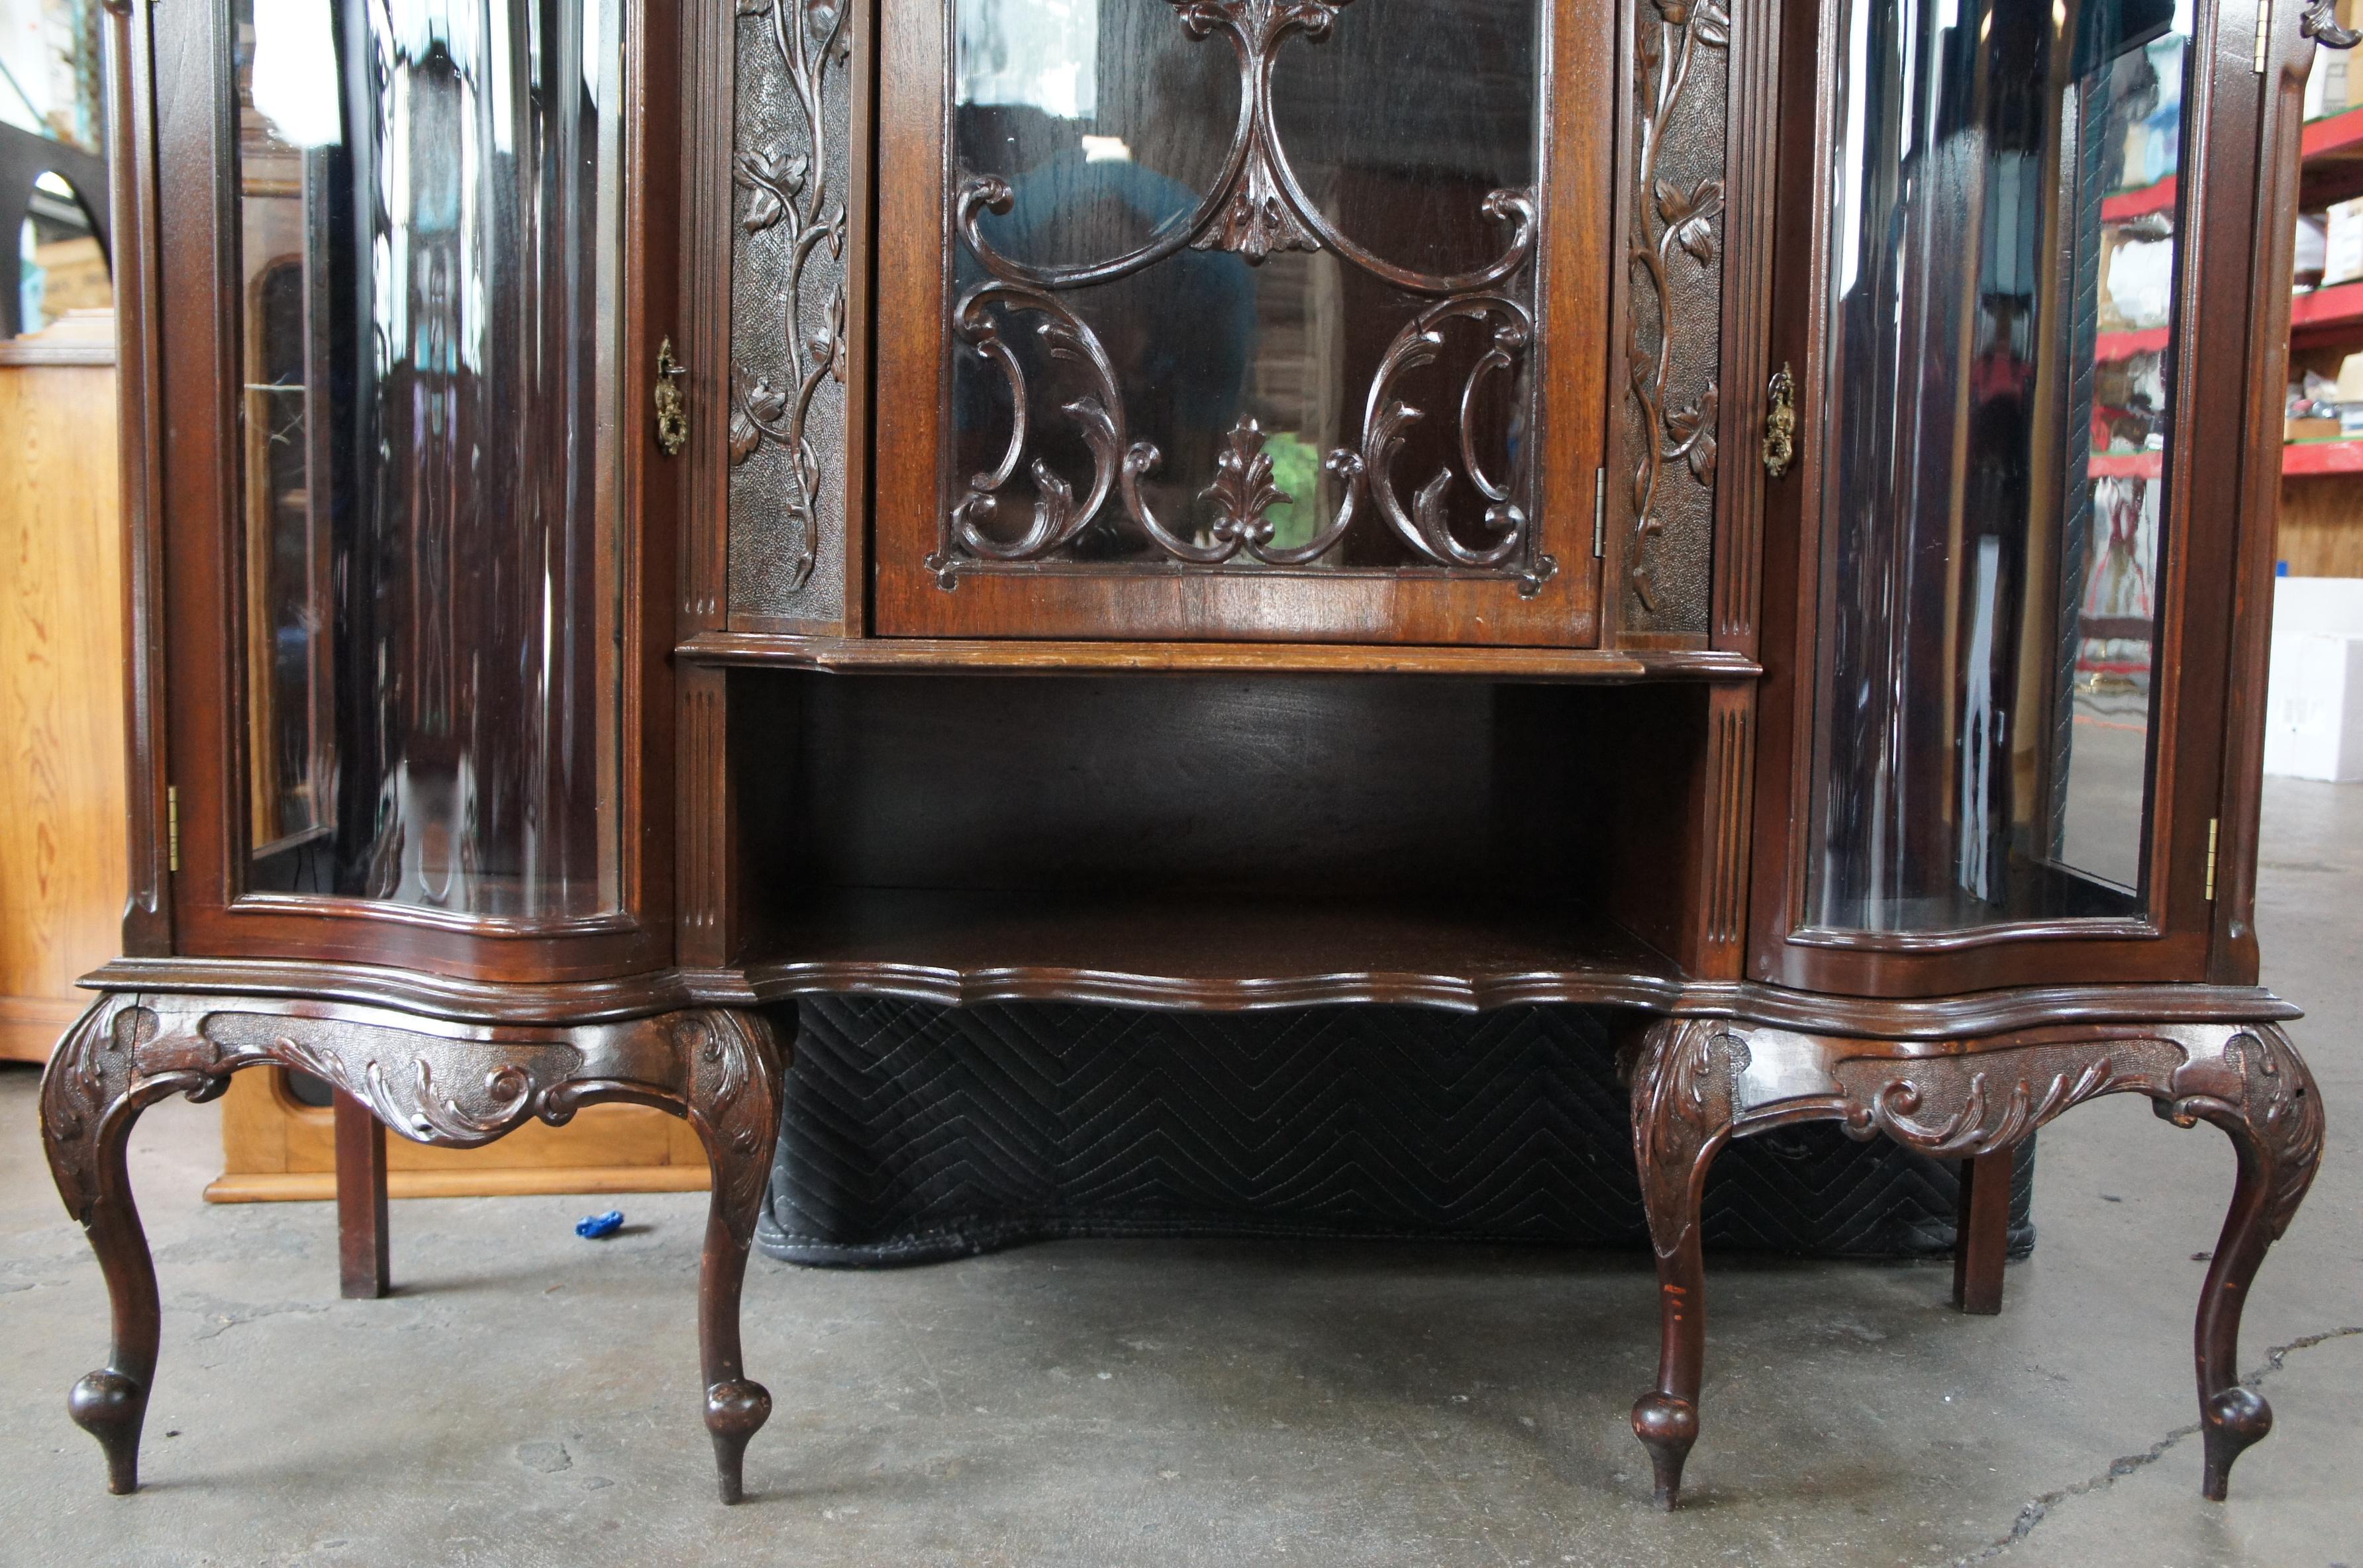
{"x":1701,"y":1082}
{"x":1258,"y":207}
{"x":1673,"y":317}
{"x":455,"y":1088}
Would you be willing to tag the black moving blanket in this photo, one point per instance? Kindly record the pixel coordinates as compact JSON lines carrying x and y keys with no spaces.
{"x":917,"y":1134}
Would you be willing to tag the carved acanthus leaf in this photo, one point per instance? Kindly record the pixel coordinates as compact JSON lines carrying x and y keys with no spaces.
{"x":1258,"y":220}
{"x":1243,"y":492}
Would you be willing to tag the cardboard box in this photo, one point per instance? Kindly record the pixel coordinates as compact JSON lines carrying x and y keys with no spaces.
{"x":2342,"y":244}
{"x":2313,"y":706}
{"x":2325,"y":84}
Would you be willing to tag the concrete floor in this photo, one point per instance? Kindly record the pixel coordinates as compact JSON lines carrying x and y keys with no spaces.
{"x":528,"y":1398}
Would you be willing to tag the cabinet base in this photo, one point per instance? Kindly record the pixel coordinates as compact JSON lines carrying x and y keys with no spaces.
{"x":1699,"y":1083}
{"x":456,"y":1086}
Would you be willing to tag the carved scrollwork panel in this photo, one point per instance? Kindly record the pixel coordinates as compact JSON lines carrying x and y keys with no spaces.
{"x":1958,"y":1108}
{"x":1022,"y":327}
{"x":1674,"y":213}
{"x":461,"y":1094}
{"x":788,"y":330}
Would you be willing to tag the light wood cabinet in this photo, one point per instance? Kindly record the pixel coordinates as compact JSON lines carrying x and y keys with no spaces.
{"x":62,"y":801}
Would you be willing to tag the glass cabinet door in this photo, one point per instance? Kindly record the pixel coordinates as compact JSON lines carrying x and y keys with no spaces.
{"x":430,"y":466}
{"x":1229,"y":319}
{"x":429,"y":242}
{"x":1999,"y":424}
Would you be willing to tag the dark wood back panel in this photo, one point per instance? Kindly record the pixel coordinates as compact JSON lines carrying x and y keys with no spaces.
{"x":1306,"y":786}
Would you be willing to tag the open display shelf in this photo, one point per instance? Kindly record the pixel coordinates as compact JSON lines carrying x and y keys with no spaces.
{"x":2321,"y":530}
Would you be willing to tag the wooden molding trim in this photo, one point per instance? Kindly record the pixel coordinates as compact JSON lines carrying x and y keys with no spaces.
{"x":314,"y":1186}
{"x":847,"y":654}
{"x":1984,"y":1012}
{"x":35,"y":351}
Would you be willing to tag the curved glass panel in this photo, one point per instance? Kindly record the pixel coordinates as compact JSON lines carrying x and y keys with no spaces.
{"x":429,"y":199}
{"x":2005,"y":257}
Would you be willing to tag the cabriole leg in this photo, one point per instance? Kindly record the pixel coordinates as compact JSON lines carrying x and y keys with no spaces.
{"x":89,"y":1101}
{"x":734,"y":1103}
{"x":2274,"y":1119}
{"x":1682,"y":1119}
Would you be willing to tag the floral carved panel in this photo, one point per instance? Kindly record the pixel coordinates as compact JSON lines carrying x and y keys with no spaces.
{"x":1664,"y":484}
{"x":790,"y":171}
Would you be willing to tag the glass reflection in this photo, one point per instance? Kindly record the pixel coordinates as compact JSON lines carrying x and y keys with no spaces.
{"x":61,"y":267}
{"x":1109,"y":124}
{"x":2001,"y":370}
{"x":428,"y":200}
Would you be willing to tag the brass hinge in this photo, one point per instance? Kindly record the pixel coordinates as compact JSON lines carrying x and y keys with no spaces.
{"x":172,"y":828}
{"x":1598,"y":514}
{"x":673,"y":408}
{"x":2213,"y":823}
{"x":1779,"y":422}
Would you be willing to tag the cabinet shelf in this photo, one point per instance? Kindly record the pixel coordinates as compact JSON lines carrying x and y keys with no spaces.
{"x":2322,"y":458}
{"x":2140,"y":201}
{"x":2333,"y":133}
{"x":1253,"y":950}
{"x":2126,"y":465}
{"x":2325,"y":316}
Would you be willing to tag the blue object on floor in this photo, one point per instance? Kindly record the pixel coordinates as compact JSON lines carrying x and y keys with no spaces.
{"x":596,"y":1226}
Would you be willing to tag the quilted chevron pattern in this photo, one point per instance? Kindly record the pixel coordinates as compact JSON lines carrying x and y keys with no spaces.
{"x":915,"y":1133}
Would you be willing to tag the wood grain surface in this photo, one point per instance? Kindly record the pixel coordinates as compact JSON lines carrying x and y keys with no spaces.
{"x":61,"y":803}
{"x":2321,"y":527}
{"x":275,"y":1147}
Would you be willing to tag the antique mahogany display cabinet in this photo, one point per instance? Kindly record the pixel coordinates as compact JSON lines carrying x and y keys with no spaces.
{"x":1758,"y":516}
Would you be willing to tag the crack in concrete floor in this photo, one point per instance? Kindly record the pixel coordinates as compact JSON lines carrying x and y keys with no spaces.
{"x":2037,"y":1509}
